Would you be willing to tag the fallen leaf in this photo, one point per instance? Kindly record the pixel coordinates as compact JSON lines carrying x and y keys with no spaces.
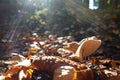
{"x":65,"y":73}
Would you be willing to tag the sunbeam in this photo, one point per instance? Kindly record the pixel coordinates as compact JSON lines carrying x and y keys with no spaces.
{"x":82,"y":13}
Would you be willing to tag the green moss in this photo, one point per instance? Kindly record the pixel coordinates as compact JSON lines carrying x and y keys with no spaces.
{"x":1,"y":63}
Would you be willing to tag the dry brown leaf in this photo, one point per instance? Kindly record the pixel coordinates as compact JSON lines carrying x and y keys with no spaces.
{"x":70,"y":73}
{"x":112,"y":75}
{"x":65,"y":73}
{"x":115,"y":64}
{"x":14,"y":59}
{"x":34,"y":50}
{"x":18,"y":71}
{"x":114,"y":78}
{"x":86,"y":74}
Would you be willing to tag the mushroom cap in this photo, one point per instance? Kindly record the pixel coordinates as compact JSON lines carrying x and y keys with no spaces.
{"x":72,"y":46}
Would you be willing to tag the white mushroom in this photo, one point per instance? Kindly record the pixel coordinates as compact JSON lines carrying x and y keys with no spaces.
{"x":86,"y":47}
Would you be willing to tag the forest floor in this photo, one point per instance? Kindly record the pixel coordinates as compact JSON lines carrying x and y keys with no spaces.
{"x":105,"y":61}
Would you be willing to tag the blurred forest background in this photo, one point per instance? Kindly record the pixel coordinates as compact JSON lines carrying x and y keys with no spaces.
{"x":77,"y":18}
